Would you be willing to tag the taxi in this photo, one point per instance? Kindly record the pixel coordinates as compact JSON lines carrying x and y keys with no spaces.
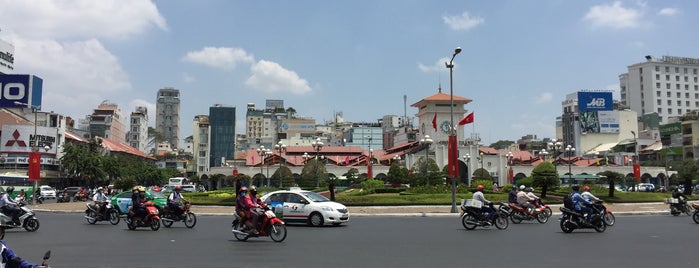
{"x":122,"y":200}
{"x":299,"y":206}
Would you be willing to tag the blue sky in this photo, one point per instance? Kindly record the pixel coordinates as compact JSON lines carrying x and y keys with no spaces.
{"x":519,"y":58}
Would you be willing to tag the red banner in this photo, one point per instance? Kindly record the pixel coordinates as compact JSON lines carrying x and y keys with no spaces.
{"x":34,"y":166}
{"x":453,"y":154}
{"x":637,"y":171}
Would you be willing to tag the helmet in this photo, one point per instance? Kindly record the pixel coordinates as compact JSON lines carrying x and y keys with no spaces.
{"x":178,"y":188}
{"x":530,"y":189}
{"x":576,"y":188}
{"x":10,"y":189}
{"x":100,"y":189}
{"x":243,"y":189}
{"x":479,"y":187}
{"x":141,"y":189}
{"x":135,"y":188}
{"x":586,"y":188}
{"x":521,"y":187}
{"x":253,"y":189}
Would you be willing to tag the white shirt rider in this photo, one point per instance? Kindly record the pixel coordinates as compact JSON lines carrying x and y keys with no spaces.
{"x":99,"y":197}
{"x":6,"y":200}
{"x":175,"y":197}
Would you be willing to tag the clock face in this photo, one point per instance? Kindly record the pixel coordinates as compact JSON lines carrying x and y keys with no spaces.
{"x":445,"y":126}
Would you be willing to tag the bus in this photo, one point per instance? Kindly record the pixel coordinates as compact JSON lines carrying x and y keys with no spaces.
{"x":177,"y":181}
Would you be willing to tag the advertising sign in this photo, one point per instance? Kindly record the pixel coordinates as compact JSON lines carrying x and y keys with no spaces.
{"x":21,"y":138}
{"x":595,"y":101}
{"x":22,"y":88}
{"x":7,"y":57}
{"x":599,"y":122}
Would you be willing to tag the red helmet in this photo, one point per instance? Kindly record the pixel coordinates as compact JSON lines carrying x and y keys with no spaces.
{"x":586,"y":188}
{"x":178,"y":188}
{"x":243,"y":189}
{"x":479,"y":187}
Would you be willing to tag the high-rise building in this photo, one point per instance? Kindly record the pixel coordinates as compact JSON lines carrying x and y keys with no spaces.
{"x":200,"y":142}
{"x":222,"y":134}
{"x":167,"y":115}
{"x":107,"y":121}
{"x":137,"y":136}
{"x":667,"y":86}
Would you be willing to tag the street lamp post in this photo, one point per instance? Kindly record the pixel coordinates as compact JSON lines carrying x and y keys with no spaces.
{"x":262,"y":153}
{"x":544,"y":153}
{"x":467,"y":160}
{"x":35,"y":146}
{"x":453,"y":151}
{"x":426,"y":141}
{"x":509,"y":156}
{"x":317,"y":145}
{"x":369,"y":170}
{"x":481,"y":159}
{"x":570,"y":150}
{"x":281,"y":148}
{"x":268,"y":152}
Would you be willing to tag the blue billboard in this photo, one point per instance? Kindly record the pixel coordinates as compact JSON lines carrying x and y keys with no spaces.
{"x":20,"y":88}
{"x":595,"y":101}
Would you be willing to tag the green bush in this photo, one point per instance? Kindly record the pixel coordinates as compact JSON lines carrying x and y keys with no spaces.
{"x":388,"y":190}
{"x":370,"y":186}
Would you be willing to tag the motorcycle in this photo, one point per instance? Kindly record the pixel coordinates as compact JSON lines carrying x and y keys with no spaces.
{"x":63,"y":197}
{"x":168,"y":216}
{"x":80,"y":196}
{"x":27,"y":219}
{"x":518,"y":214}
{"x":472,"y":216}
{"x":270,"y":226}
{"x":571,"y":220}
{"x":151,"y":220}
{"x":607,"y":215}
{"x":93,"y":215}
{"x":695,"y":216}
{"x":678,"y":206}
{"x":544,"y":207}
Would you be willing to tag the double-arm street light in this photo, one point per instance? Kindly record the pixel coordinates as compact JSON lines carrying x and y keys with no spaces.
{"x":570,"y":150}
{"x":281,"y":148}
{"x":426,"y":141}
{"x":467,"y":160}
{"x":453,"y":150}
{"x":262,"y":152}
{"x":544,"y":153}
{"x":317,"y":145}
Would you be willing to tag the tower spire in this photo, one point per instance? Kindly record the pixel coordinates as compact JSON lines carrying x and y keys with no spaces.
{"x":440,"y":87}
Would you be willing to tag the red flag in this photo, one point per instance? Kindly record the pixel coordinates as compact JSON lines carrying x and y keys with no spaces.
{"x":467,"y":120}
{"x":346,"y":160}
{"x":34,"y":166}
{"x":434,"y":122}
{"x":637,"y":172}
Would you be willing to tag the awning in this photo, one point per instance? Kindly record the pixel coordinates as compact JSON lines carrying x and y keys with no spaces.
{"x":601,"y":149}
{"x":14,"y":176}
{"x":657,"y":146}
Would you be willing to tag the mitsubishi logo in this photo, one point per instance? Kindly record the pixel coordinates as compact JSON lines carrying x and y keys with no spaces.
{"x":19,"y":142}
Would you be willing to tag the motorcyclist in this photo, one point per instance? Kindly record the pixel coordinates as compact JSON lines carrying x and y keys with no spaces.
{"x":524,"y":200}
{"x":512,"y":196}
{"x":578,"y":199}
{"x":478,"y":196}
{"x":138,"y":200}
{"x":100,"y":200}
{"x":679,"y":195}
{"x":244,"y":207}
{"x":530,"y":194}
{"x":21,"y":195}
{"x":174,"y":201}
{"x":8,"y":206}
{"x":256,"y":200}
{"x":11,"y":260}
{"x":589,"y":196}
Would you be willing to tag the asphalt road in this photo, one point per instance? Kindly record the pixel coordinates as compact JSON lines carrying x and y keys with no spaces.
{"x":635,"y":241}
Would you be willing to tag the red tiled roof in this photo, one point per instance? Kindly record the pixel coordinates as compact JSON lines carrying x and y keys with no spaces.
{"x":73,"y":136}
{"x":111,"y":145}
{"x":441,"y":97}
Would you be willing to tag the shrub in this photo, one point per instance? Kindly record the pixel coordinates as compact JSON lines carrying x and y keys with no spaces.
{"x":370,"y":186}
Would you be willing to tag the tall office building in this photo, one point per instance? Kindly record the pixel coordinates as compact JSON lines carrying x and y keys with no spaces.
{"x":107,"y":121}
{"x":222,"y":134}
{"x":167,"y":115}
{"x":667,"y":86}
{"x":200,"y":142}
{"x":137,"y":136}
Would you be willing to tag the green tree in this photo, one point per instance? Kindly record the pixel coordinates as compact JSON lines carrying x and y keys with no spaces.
{"x":313,"y":172}
{"x":284,"y":175}
{"x":428,"y":170}
{"x":611,"y":177}
{"x":397,"y":174}
{"x":501,"y":144}
{"x":688,"y":171}
{"x":481,"y":174}
{"x":353,"y":175}
{"x":545,"y":175}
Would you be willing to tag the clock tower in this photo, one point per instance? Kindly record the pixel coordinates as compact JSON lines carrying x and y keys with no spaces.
{"x":435,"y":109}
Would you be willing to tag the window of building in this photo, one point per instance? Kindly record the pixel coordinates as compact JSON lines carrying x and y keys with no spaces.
{"x":669,"y":110}
{"x":677,"y":69}
{"x":660,"y":111}
{"x":667,"y":86}
{"x":679,"y":95}
{"x":660,"y":102}
{"x":696,"y":104}
{"x":657,"y":68}
{"x":686,"y":96}
{"x":695,"y":79}
{"x":668,"y":94}
{"x":677,"y":78}
{"x":667,"y":69}
{"x":667,"y":77}
{"x":695,"y":71}
{"x":696,"y":88}
{"x":657,"y":93}
{"x":685,"y":70}
{"x":657,"y":85}
{"x":677,"y":86}
{"x":679,"y":111}
{"x":686,"y":103}
{"x":686,"y":79}
{"x":669,"y":102}
{"x":696,"y":96}
{"x":679,"y":103}
{"x":686,"y":87}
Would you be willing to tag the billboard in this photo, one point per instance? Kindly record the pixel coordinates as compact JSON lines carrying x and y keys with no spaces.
{"x":7,"y":57}
{"x":23,"y":88}
{"x":595,"y":101}
{"x":21,"y":138}
{"x":599,"y":122}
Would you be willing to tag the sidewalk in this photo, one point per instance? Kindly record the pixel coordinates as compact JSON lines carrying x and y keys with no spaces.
{"x":417,"y":211}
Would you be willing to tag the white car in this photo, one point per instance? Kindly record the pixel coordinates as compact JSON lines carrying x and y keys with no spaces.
{"x":299,"y":206}
{"x":47,"y":192}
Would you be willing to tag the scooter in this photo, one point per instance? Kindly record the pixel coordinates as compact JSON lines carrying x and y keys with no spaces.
{"x":571,"y":220}
{"x":472,"y":216}
{"x":695,"y":216}
{"x":607,"y":215}
{"x":151,"y":220}
{"x":270,"y":226}
{"x":27,"y":219}
{"x":93,"y":215}
{"x":63,"y":197}
{"x":520,"y":214}
{"x":678,"y":206}
{"x":169,"y":216}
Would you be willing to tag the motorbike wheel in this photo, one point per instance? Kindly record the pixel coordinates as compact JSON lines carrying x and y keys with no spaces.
{"x":695,"y":217}
{"x":113,"y":216}
{"x":542,"y":217}
{"x":278,"y":232}
{"x":548,"y":212}
{"x":501,"y":222}
{"x":31,"y":225}
{"x":609,"y":219}
{"x":190,"y":220}
{"x":132,"y":224}
{"x":515,"y":217}
{"x":166,"y":223}
{"x":687,"y":209}
{"x":93,"y":215}
{"x":468,"y":221}
{"x":154,"y":224}
{"x":240,"y":237}
{"x":566,"y":225}
{"x":600,"y":226}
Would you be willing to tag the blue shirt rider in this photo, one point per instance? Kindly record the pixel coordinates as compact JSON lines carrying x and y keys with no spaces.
{"x":578,"y":199}
{"x":11,"y":260}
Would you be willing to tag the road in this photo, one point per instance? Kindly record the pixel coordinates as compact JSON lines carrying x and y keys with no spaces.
{"x":377,"y":241}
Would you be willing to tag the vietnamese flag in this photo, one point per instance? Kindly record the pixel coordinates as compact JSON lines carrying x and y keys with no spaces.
{"x":34,"y":166}
{"x":434,"y":122}
{"x":637,"y":172}
{"x":467,"y":120}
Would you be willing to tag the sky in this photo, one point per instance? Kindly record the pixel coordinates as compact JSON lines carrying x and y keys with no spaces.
{"x":519,"y":59}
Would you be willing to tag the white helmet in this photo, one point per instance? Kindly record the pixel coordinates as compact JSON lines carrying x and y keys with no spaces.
{"x":521,"y":187}
{"x":100,"y":188}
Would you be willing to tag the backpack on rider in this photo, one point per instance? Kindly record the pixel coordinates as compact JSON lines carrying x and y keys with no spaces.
{"x":568,"y":201}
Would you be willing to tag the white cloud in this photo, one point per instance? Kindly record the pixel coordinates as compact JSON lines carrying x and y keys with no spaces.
{"x":226,"y":58}
{"x":85,"y":19}
{"x":462,"y":23}
{"x":668,"y":11}
{"x":188,"y":78}
{"x":437,"y":67}
{"x":613,"y":16}
{"x":74,"y":73}
{"x":545,"y":97}
{"x":271,"y":77}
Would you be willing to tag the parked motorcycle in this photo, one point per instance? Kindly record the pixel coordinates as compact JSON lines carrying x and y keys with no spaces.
{"x":695,"y":216}
{"x":519,"y":214}
{"x":93,"y":215}
{"x":607,"y":215}
{"x":472,"y":216}
{"x":27,"y":219}
{"x":168,"y":216}
{"x":270,"y":226}
{"x":571,"y":220}
{"x":151,"y":220}
{"x":62,"y":197}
